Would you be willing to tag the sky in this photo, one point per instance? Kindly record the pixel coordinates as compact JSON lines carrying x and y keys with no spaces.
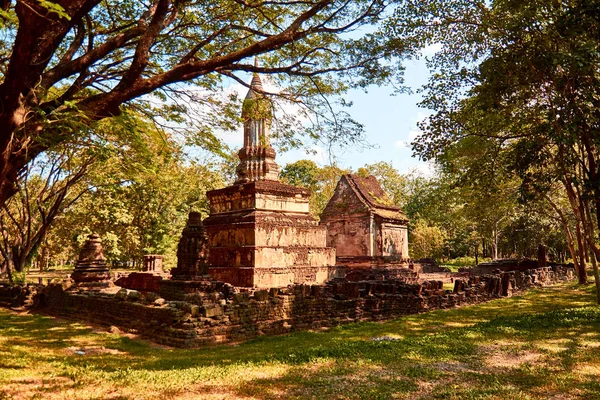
{"x":390,"y":123}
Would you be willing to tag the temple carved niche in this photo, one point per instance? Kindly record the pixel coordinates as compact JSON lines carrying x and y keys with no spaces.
{"x":91,"y":269}
{"x":192,"y":254}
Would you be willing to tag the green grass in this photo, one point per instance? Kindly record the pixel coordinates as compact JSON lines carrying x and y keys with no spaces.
{"x":55,"y":273}
{"x":545,"y":344}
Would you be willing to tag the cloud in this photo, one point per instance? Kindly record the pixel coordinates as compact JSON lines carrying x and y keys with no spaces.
{"x":431,"y":50}
{"x":414,"y":133}
{"x":405,"y":144}
{"x":420,"y":168}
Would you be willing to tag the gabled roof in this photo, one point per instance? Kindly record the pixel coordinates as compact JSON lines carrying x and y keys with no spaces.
{"x":369,"y":192}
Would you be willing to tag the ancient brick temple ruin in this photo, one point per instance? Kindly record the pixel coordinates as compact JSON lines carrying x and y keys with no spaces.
{"x":91,"y":269}
{"x":260,"y":264}
{"x":260,"y":232}
{"x":153,"y":263}
{"x":192,"y":253}
{"x":363,"y":224}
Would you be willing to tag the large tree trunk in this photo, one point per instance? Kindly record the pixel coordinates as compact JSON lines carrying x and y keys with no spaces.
{"x":581,"y":250}
{"x":581,"y":273}
{"x":593,"y":172}
{"x":37,"y":38}
{"x":576,"y":206}
{"x":594,"y":251}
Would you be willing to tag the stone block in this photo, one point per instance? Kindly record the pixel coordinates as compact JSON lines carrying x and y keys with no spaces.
{"x":211,"y":312}
{"x":121,"y":294}
{"x":151,"y":297}
{"x":67,"y":284}
{"x":261,"y":295}
{"x":134,"y":295}
{"x":242,"y":297}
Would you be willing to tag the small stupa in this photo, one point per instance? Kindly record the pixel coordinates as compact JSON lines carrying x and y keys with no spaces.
{"x":91,"y":268}
{"x":192,"y":257}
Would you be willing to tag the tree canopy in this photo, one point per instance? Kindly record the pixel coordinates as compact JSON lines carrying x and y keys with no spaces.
{"x":515,"y":85}
{"x":66,"y":64}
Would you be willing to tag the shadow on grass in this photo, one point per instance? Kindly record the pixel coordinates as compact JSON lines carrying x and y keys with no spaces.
{"x":441,"y":354}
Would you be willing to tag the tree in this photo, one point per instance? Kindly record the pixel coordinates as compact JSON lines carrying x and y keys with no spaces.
{"x":523,"y":76}
{"x":49,"y":186}
{"x":69,"y":63}
{"x":57,"y":184}
{"x":141,"y":195}
{"x":427,"y":241}
{"x":303,"y":173}
{"x":322,"y":181}
{"x":143,"y":214}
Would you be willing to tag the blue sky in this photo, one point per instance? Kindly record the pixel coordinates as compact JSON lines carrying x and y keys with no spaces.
{"x":390,"y":124}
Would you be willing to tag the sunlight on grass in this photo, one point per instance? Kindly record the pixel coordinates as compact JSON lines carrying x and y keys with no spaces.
{"x":545,"y":343}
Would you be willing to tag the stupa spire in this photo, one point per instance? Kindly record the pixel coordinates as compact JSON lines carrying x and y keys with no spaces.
{"x":256,"y":83}
{"x":257,"y":157}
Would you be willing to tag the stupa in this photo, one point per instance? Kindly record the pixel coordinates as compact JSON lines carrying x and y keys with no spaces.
{"x":260,"y":232}
{"x":91,"y":269}
{"x":191,"y":250}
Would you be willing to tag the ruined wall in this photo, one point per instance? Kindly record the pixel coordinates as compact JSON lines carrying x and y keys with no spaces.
{"x":16,"y":295}
{"x":351,"y":236}
{"x":219,"y":313}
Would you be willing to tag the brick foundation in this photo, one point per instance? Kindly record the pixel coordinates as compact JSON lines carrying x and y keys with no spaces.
{"x":214,"y":312}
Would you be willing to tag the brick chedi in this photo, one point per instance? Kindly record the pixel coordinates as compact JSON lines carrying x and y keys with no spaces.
{"x":260,"y":232}
{"x":192,"y":259}
{"x":91,"y":268}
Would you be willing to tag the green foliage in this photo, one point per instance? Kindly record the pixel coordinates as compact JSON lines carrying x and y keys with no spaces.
{"x":48,"y":186}
{"x":322,"y":181}
{"x":53,"y":7}
{"x":144,"y":213}
{"x":136,"y":194}
{"x":427,"y":241}
{"x":176,"y":62}
{"x":19,"y":277}
{"x":515,"y":96}
{"x":303,"y":173}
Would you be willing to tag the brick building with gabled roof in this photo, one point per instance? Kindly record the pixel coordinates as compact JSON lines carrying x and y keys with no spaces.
{"x":363,"y":224}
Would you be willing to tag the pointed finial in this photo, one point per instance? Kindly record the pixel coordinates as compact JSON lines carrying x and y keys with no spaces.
{"x":256,"y":82}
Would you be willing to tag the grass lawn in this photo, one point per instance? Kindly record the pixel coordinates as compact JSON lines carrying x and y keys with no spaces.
{"x":543,"y":345}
